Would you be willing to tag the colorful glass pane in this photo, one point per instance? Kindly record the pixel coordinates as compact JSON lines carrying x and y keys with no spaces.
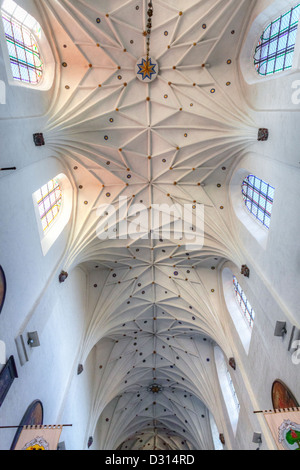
{"x":233,"y":391}
{"x":49,"y":203}
{"x":25,"y":58}
{"x":275,"y":50}
{"x":243,"y":302}
{"x":258,"y":197}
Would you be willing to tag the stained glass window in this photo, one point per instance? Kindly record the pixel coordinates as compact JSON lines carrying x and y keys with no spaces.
{"x":49,"y":202}
{"x":227,"y":388}
{"x":258,"y":197}
{"x":25,"y":58}
{"x":275,"y":50}
{"x":243,"y":302}
{"x":233,"y":392}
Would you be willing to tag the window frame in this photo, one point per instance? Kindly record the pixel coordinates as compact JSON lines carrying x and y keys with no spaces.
{"x":243,"y":303}
{"x":52,"y":187}
{"x":261,"y":196}
{"x":274,"y":56}
{"x":239,"y":320}
{"x":228,"y":390}
{"x":28,"y":51}
{"x":53,"y":231}
{"x":263,"y":17}
{"x":45,"y":51}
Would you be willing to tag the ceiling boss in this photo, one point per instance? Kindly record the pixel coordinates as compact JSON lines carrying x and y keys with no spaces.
{"x":147,"y":66}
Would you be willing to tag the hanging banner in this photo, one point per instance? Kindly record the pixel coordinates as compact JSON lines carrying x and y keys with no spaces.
{"x":39,"y":438}
{"x":285,"y":428}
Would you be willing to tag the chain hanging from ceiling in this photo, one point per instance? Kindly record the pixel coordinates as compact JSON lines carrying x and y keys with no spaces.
{"x":149,"y":27}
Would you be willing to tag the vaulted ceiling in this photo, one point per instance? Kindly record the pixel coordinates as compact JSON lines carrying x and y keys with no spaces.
{"x":169,"y":138}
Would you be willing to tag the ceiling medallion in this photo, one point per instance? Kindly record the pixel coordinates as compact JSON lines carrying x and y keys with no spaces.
{"x":155,"y":388}
{"x":146,"y":69}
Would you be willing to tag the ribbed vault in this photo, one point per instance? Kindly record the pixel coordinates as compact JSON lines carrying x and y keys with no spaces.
{"x":151,"y":316}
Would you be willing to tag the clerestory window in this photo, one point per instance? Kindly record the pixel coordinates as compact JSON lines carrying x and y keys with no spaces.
{"x":21,"y":33}
{"x":258,"y":198}
{"x":275,"y":50}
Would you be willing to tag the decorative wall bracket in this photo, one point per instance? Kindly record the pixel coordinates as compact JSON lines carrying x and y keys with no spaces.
{"x":232,"y":363}
{"x":245,"y":270}
{"x":263,"y":135}
{"x":39,"y":140}
{"x":63,"y":276}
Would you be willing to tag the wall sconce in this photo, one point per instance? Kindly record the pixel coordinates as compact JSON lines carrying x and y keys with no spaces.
{"x":257,"y":438}
{"x":33,"y":339}
{"x":280,"y":329}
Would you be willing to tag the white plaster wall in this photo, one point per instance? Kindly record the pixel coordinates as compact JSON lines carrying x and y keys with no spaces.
{"x":77,"y":406}
{"x":53,"y":366}
{"x":277,"y":262}
{"x":51,"y":373}
{"x":27,"y":270}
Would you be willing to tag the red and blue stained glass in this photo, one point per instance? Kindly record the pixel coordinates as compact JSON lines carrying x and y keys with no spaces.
{"x":25,"y":59}
{"x":243,"y":302}
{"x":49,"y":202}
{"x":275,"y":50}
{"x":258,"y":197}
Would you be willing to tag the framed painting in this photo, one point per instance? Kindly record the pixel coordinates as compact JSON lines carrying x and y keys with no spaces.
{"x":2,"y":288}
{"x":282,"y":397}
{"x":34,"y":415}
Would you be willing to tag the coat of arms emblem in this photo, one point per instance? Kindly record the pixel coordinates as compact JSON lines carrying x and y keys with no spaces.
{"x":289,"y":435}
{"x":38,"y":443}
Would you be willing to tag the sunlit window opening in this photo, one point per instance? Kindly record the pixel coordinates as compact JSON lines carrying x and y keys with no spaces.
{"x":49,"y":203}
{"x":275,"y":50}
{"x":258,"y":198}
{"x":243,"y":302}
{"x":228,"y":390}
{"x":21,"y":32}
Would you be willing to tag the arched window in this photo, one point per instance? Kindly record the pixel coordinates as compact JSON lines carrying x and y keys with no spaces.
{"x":239,"y":307}
{"x":49,"y":202}
{"x":53,"y":207}
{"x":243,"y":302}
{"x":275,"y":50}
{"x":258,"y":197}
{"x":228,"y":389}
{"x":21,"y":33}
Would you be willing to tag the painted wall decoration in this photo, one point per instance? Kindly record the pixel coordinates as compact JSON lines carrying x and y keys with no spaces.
{"x":282,"y":397}
{"x":2,"y":288}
